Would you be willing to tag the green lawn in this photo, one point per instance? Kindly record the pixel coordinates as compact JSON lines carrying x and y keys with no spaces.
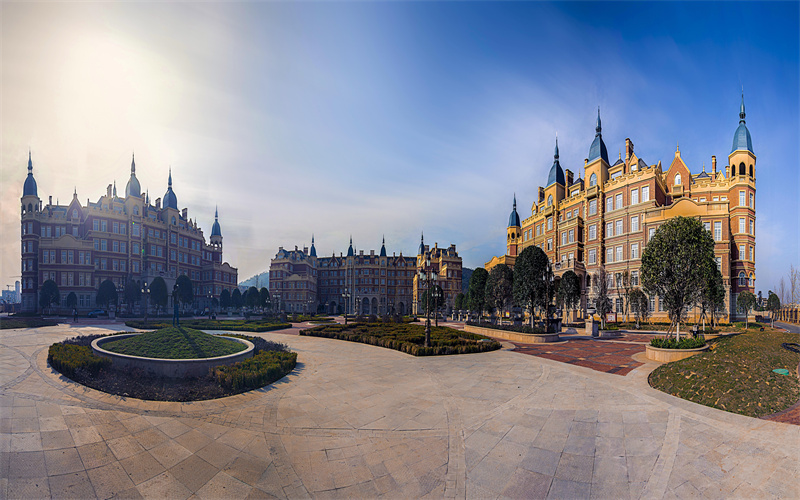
{"x":736,"y":374}
{"x":406,"y":337}
{"x":175,"y":343}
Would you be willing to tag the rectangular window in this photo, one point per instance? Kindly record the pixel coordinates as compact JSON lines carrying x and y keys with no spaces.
{"x":592,"y":231}
{"x":752,"y":201}
{"x":122,"y":265}
{"x":634,"y":196}
{"x":571,"y":235}
{"x":564,"y":238}
{"x":619,"y":254}
{"x":609,"y":229}
{"x":609,"y":204}
{"x":135,"y":230}
{"x":539,"y":230}
{"x":635,"y":223}
{"x":741,"y":225}
{"x":742,"y":195}
{"x":95,"y":225}
{"x":717,"y":231}
{"x":634,"y":251}
{"x":115,"y":246}
{"x":104,"y":226}
{"x":707,"y":225}
{"x":719,"y":263}
{"x":651,"y":304}
{"x":609,"y":255}
{"x":115,"y":227}
{"x":592,"y":256}
{"x":620,"y":310}
{"x":752,"y":254}
{"x":741,"y":252}
{"x":123,"y":247}
{"x":592,"y":206}
{"x":619,"y":227}
{"x":619,"y":201}
{"x":549,"y":243}
{"x":645,"y":193}
{"x":634,"y":278}
{"x":752,"y":229}
{"x":123,"y":228}
{"x":549,"y":223}
{"x":569,"y":214}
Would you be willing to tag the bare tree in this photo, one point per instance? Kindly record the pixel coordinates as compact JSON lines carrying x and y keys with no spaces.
{"x":794,"y":284}
{"x":782,"y":290}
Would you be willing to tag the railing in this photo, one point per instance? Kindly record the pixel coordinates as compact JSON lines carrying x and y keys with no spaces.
{"x":789,"y":314}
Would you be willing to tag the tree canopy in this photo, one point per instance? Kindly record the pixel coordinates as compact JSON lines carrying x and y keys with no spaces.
{"x":49,"y":294}
{"x":264,"y":299}
{"x":253,"y":297}
{"x":569,"y":290}
{"x":533,"y":281}
{"x":158,"y":292}
{"x":436,"y":298}
{"x":712,"y":293}
{"x":500,"y":287}
{"x":675,"y":263}
{"x":236,"y":299}
{"x":745,"y":302}
{"x":225,"y":299}
{"x":185,"y":290}
{"x":132,"y":292}
{"x":602,"y":303}
{"x":459,"y":301}
{"x":72,"y":299}
{"x":477,"y":290}
{"x":106,"y":294}
{"x":639,"y":304}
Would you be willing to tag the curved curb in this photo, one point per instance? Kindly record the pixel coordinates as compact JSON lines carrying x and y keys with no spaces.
{"x":664,"y":355}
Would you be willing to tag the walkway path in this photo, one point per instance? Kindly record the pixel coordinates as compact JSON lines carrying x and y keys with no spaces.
{"x":360,"y":421}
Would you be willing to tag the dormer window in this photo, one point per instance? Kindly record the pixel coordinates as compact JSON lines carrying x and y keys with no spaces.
{"x":593,"y":180}
{"x":677,"y":179}
{"x":549,"y":200}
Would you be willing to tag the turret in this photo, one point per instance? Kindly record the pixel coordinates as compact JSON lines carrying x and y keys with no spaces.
{"x":514,"y":230}
{"x":216,"y":230}
{"x":383,"y":247}
{"x":133,"y":188}
{"x":170,"y":200}
{"x":313,"y":249}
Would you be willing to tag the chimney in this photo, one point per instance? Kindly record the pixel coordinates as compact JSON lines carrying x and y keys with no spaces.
{"x":51,"y":200}
{"x":628,"y":150}
{"x":184,"y":212}
{"x":108,"y":191}
{"x":541,"y":194}
{"x":158,"y":203}
{"x":714,"y":165}
{"x":569,"y":177}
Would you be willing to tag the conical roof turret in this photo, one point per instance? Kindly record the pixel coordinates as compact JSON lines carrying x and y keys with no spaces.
{"x":556,"y":175}
{"x":170,"y":200}
{"x":598,"y":148}
{"x":741,"y":139}
{"x":350,"y":252}
{"x":133,"y":188}
{"x":313,"y":249}
{"x":29,"y":188}
{"x":513,"y":219}
{"x":383,"y":246}
{"x":216,"y":230}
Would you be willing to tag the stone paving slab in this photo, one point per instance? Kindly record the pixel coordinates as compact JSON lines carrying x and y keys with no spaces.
{"x":603,"y":356}
{"x":360,"y":421}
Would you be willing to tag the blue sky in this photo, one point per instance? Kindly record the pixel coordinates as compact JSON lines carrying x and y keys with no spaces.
{"x":388,"y":118}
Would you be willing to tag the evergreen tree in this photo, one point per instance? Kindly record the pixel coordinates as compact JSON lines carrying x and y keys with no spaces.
{"x":49,"y":294}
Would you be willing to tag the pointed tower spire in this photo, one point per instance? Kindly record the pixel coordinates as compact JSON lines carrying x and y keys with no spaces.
{"x":515,"y":201}
{"x":133,"y":163}
{"x":383,"y":246}
{"x":30,"y":162}
{"x":313,"y":249}
{"x":741,"y":109}
{"x":421,"y":243}
{"x":169,"y":182}
{"x":599,"y":128}
{"x":115,"y":188}
{"x":216,"y":214}
{"x":555,"y":155}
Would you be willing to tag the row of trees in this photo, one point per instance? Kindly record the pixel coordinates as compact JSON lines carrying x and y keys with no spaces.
{"x":158,"y":295}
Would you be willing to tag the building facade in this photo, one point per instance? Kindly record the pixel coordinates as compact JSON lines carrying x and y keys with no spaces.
{"x":119,"y":238}
{"x":606,"y":220}
{"x":359,"y":283}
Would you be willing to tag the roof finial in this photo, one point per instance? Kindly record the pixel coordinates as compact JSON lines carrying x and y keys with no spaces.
{"x":555,"y":155}
{"x":515,"y":201}
{"x":169,"y":183}
{"x":115,"y":188}
{"x":312,"y":239}
{"x":30,"y":163}
{"x":741,"y":109}
{"x":677,"y":146}
{"x":133,"y":163}
{"x":599,"y":127}
{"x":216,"y":212}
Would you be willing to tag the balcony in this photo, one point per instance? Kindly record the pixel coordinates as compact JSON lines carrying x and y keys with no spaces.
{"x":593,"y":192}
{"x":568,"y":264}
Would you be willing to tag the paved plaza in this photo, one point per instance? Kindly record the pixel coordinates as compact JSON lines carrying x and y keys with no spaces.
{"x":358,"y":421}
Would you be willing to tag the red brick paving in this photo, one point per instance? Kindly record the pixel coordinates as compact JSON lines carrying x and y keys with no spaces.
{"x":603,"y":356}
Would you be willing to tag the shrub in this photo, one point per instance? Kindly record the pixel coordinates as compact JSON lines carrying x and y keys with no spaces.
{"x":262,"y":369}
{"x":671,"y":343}
{"x":18,"y":321}
{"x":209,"y":324}
{"x":510,"y":328}
{"x":260,"y":344}
{"x":69,"y":358}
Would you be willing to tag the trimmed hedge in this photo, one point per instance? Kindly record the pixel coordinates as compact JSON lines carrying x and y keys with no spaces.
{"x":69,"y":358}
{"x":509,"y":328}
{"x":671,"y":343}
{"x":260,"y":344}
{"x":262,"y":369}
{"x":9,"y":323}
{"x":407,"y":338}
{"x":210,"y":324}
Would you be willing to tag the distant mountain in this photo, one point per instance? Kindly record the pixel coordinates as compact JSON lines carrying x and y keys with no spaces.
{"x":466,"y":274}
{"x":259,"y":281}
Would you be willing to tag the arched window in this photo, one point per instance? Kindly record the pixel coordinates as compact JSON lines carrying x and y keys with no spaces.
{"x":752,"y":279}
{"x":751,"y":171}
{"x":677,"y":179}
{"x":742,"y":279}
{"x":135,"y":210}
{"x":549,"y":200}
{"x":173,"y":220}
{"x":30,"y":207}
{"x":74,"y":213}
{"x":742,"y":169}
{"x":593,"y":180}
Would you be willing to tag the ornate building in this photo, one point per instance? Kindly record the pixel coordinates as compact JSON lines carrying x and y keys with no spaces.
{"x":359,"y":283}
{"x":119,"y":239}
{"x":606,"y":222}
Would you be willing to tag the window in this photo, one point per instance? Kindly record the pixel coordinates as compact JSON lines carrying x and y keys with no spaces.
{"x":592,"y":256}
{"x":742,"y":279}
{"x":115,"y":227}
{"x":619,"y":254}
{"x":123,"y":247}
{"x":135,"y":210}
{"x":741,"y":225}
{"x":104,"y":245}
{"x":609,"y":255}
{"x":593,"y":180}
{"x":741,"y":252}
{"x":592,"y":206}
{"x":645,"y":193}
{"x":619,"y":227}
{"x":564,"y":238}
{"x":635,"y":223}
{"x":549,"y":223}
{"x":104,"y":226}
{"x":619,"y":306}
{"x":618,"y":203}
{"x":752,"y":201}
{"x":634,"y":251}
{"x":651,"y":304}
{"x":549,"y":243}
{"x":752,"y":254}
{"x":752,"y":229}
{"x":74,"y":213}
{"x":742,"y":196}
{"x":717,"y":231}
{"x":571,"y":235}
{"x":135,"y":229}
{"x":634,"y":278}
{"x":593,"y":231}
{"x":115,"y":246}
{"x":539,"y":230}
{"x":549,"y":200}
{"x":634,"y":196}
{"x":609,"y":229}
{"x":173,"y":220}
{"x":95,"y":225}
{"x":569,"y":214}
{"x":707,"y":226}
{"x":677,"y":179}
{"x":719,"y":263}
{"x":609,"y":204}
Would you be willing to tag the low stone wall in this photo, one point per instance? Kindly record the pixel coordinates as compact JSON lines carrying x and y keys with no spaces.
{"x":668,"y":355}
{"x":528,"y":338}
{"x":173,"y":368}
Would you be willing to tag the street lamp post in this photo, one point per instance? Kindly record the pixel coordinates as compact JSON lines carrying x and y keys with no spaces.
{"x":145,"y":292}
{"x":346,"y":300}
{"x":436,"y":294}
{"x":428,"y":277}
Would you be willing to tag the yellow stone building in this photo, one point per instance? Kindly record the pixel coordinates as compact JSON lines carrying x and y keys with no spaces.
{"x":606,"y":220}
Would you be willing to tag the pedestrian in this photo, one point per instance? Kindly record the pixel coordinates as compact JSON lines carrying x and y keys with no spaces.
{"x":74,"y":314}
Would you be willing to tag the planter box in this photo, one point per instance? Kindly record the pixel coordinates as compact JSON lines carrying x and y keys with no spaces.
{"x":527,"y":338}
{"x":668,"y":355}
{"x":173,"y":368}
